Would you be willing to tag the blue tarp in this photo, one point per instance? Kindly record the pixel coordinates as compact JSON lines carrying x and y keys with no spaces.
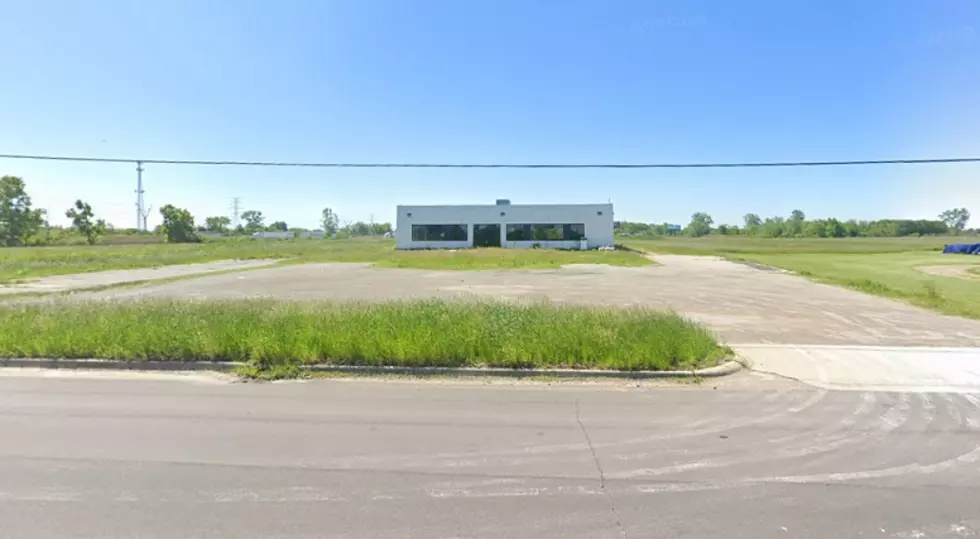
{"x":963,"y":248}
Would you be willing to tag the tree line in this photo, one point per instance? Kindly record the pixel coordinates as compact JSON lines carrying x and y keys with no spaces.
{"x":22,"y":224}
{"x":951,"y":221}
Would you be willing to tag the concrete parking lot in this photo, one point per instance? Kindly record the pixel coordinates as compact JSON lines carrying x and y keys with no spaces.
{"x":741,"y":303}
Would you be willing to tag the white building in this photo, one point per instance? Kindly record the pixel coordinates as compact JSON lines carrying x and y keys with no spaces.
{"x":558,"y":226}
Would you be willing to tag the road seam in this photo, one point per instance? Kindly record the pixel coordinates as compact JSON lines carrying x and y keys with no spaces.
{"x":602,"y":475}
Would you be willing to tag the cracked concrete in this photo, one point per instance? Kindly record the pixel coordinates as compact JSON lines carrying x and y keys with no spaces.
{"x":740,"y":303}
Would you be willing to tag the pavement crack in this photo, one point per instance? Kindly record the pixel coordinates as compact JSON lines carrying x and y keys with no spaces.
{"x":602,"y":474}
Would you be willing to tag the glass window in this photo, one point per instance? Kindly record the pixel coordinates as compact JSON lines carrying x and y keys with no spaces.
{"x":439,"y":233}
{"x":574,"y":231}
{"x":518,"y":232}
{"x":545,"y":232}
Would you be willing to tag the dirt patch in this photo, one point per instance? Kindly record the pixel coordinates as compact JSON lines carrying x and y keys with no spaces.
{"x":958,"y":271}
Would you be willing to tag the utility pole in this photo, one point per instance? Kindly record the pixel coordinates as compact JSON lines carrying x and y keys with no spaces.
{"x":145,"y":215}
{"x":235,"y":207}
{"x":140,"y":219}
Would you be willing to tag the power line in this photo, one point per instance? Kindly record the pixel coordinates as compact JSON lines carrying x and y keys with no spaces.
{"x":863,"y":162}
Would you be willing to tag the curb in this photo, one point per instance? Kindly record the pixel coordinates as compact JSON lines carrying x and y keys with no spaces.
{"x":118,"y":364}
{"x":725,"y":369}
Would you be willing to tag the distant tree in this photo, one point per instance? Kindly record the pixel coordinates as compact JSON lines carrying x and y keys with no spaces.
{"x":81,"y":219}
{"x":629,"y":228}
{"x":700,"y":225}
{"x":18,"y":221}
{"x":178,"y":225}
{"x":278,"y":226}
{"x":254,"y":220}
{"x":956,"y":218}
{"x":722,"y":230}
{"x":329,"y":222}
{"x":217,"y":224}
{"x":751,"y":220}
{"x":796,"y":223}
{"x":774,"y":227}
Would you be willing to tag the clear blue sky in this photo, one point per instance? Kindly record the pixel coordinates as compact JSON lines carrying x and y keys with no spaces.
{"x":495,"y":81}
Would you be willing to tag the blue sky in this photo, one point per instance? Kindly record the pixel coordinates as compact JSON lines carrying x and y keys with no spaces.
{"x":482,"y":81}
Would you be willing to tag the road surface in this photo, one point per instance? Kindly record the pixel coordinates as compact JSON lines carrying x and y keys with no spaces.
{"x":85,"y":458}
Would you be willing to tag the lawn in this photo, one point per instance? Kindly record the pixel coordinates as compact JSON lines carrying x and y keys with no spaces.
{"x":283,"y":335}
{"x":724,"y":245}
{"x":28,"y":262}
{"x":887,"y":267}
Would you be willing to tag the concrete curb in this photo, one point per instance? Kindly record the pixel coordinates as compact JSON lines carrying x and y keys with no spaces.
{"x":729,"y":367}
{"x":118,"y":364}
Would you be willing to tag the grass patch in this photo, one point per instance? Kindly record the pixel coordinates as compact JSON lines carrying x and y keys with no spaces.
{"x":893,"y":275}
{"x":725,"y":245}
{"x":30,"y":262}
{"x":278,"y":337}
{"x":886,"y":267}
{"x":975,"y":271}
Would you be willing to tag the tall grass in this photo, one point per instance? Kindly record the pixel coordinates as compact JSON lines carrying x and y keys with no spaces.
{"x":417,"y":333}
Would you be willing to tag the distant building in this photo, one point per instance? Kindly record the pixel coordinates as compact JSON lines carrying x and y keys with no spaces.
{"x":274,"y":235}
{"x":560,"y":226}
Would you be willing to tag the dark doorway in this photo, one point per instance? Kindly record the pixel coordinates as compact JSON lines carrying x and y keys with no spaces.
{"x":486,"y":235}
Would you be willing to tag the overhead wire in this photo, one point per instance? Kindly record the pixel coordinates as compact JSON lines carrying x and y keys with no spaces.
{"x":757,"y":164}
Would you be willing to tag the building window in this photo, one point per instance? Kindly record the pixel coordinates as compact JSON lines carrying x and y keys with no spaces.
{"x":574,"y":231}
{"x":546,"y":232}
{"x":439,"y":233}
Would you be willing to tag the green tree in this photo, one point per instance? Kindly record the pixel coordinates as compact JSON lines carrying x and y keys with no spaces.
{"x":278,"y":226}
{"x":956,"y":218}
{"x":796,"y":222}
{"x":217,"y":224}
{"x":81,"y":219}
{"x":700,"y":225}
{"x":774,"y":227}
{"x":178,"y":225}
{"x":18,"y":220}
{"x":752,"y":223}
{"x":254,"y":220}
{"x":329,"y":222}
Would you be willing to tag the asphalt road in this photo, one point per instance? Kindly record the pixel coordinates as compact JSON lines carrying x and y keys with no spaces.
{"x":758,"y":457}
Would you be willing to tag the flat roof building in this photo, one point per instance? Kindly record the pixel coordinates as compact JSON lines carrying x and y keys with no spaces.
{"x":558,"y":226}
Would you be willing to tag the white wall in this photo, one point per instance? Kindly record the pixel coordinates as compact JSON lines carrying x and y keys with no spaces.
{"x":597,"y":218}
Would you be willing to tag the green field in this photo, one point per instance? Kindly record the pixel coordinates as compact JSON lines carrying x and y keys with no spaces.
{"x":281,"y":335}
{"x":724,"y":245}
{"x":890,"y":267}
{"x":18,"y":263}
